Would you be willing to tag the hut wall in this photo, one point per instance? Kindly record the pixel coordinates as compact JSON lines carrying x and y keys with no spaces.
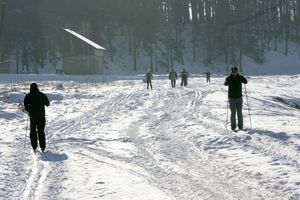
{"x":83,"y":65}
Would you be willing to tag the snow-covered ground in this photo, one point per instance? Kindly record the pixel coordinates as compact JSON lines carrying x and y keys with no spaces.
{"x":111,"y":139}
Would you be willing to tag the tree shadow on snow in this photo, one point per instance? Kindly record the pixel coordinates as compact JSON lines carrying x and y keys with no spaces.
{"x":274,"y":106}
{"x":279,"y":136}
{"x":53,"y":157}
{"x":55,"y":97}
{"x":7,"y":115}
{"x":289,"y":101}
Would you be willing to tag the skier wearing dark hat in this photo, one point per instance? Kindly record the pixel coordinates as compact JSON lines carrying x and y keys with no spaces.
{"x":184,"y":77}
{"x":34,"y":103}
{"x":173,"y":77}
{"x":149,"y":78}
{"x":234,"y":81}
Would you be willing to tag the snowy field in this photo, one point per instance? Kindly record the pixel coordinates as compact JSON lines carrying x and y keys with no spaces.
{"x":111,"y":139}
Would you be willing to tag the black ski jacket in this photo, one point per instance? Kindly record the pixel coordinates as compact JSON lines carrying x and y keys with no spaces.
{"x":35,"y":103}
{"x":149,"y":76}
{"x":184,"y":74}
{"x":235,"y":85}
{"x":172,"y":75}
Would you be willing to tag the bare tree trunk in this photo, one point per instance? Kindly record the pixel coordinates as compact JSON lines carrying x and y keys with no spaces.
{"x":241,"y":43}
{"x":295,"y":19}
{"x":129,"y":41}
{"x":232,"y":60}
{"x":298,"y":14}
{"x":17,"y":59}
{"x":240,"y":58}
{"x":2,"y":32}
{"x":168,"y":59}
{"x":181,"y":51}
{"x":151,"y":57}
{"x":225,"y":50}
{"x":156,"y":64}
{"x":134,"y":49}
{"x":194,"y":28}
{"x":226,"y":60}
{"x":25,"y":59}
{"x":287,"y":34}
{"x":275,"y":20}
{"x":275,"y":42}
{"x":287,"y":27}
{"x":171,"y":58}
{"x":194,"y":43}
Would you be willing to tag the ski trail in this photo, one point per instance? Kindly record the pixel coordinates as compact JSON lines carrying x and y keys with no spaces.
{"x":272,"y":149}
{"x":45,"y":173}
{"x":167,"y":170}
{"x":35,"y":180}
{"x":169,"y":142}
{"x":13,"y":172}
{"x":116,"y":107}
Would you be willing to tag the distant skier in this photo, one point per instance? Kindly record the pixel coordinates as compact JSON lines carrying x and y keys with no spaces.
{"x":149,"y":78}
{"x":207,"y":76}
{"x":59,"y":69}
{"x":184,"y":76}
{"x":234,"y":81}
{"x":173,"y":77}
{"x":34,"y":103}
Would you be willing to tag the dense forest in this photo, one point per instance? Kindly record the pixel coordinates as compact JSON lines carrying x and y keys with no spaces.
{"x":213,"y":30}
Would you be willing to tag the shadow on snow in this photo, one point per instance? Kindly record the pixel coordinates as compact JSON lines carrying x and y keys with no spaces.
{"x":279,"y":136}
{"x":53,"y":157}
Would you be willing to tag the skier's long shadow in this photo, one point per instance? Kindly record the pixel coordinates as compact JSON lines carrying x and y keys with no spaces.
{"x":53,"y":157}
{"x":279,"y":136}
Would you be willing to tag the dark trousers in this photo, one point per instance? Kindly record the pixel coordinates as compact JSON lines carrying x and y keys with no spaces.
{"x":149,"y":83}
{"x":173,"y":83}
{"x":37,"y":133}
{"x":184,"y":82}
{"x":236,"y":105}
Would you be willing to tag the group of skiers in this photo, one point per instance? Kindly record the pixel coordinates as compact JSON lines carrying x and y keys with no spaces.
{"x":172,"y":76}
{"x":184,"y":77}
{"x":35,"y":102}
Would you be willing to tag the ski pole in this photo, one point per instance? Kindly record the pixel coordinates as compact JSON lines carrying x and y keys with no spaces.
{"x":248,"y":105}
{"x":227,"y":114}
{"x":26,"y":132}
{"x":46,"y":135}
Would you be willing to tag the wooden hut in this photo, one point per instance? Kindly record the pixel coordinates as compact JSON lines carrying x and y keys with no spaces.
{"x":81,"y":56}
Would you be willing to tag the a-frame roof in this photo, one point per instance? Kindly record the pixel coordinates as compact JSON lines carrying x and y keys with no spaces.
{"x":84,"y":39}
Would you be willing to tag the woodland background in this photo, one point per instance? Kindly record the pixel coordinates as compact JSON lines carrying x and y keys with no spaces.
{"x":162,"y":30}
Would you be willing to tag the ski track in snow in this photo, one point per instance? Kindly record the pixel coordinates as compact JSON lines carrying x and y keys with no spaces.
{"x":117,"y":140}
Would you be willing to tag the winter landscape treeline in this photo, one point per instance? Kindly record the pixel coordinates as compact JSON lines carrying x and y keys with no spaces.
{"x":163,"y":32}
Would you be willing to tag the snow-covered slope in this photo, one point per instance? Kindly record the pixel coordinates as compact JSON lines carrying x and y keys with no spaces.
{"x":113,"y":139}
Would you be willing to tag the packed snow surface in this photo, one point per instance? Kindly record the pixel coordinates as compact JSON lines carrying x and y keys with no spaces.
{"x":111,"y":138}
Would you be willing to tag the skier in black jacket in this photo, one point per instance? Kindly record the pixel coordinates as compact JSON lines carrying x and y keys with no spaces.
{"x":184,"y":77}
{"x":207,"y":76}
{"x":173,"y":77}
{"x":149,"y":78}
{"x":34,"y":103}
{"x":234,"y":81}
